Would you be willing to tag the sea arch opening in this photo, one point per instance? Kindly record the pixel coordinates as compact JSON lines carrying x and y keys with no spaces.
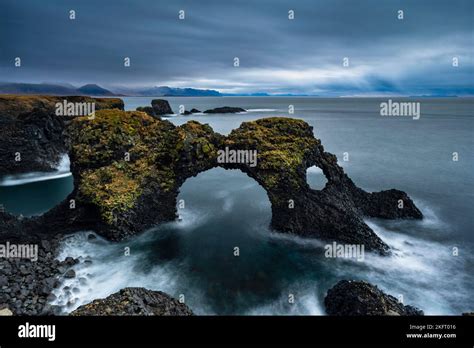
{"x":228,"y":194}
{"x":223,"y":244}
{"x":316,"y":178}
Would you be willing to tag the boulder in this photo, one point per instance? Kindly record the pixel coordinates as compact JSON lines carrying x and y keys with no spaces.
{"x":195,"y":111}
{"x":70,"y":274}
{"x":352,"y":298}
{"x":161,"y":107}
{"x":134,"y":301}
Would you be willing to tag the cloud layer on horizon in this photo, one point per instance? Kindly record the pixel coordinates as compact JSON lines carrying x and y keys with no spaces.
{"x":277,"y":55}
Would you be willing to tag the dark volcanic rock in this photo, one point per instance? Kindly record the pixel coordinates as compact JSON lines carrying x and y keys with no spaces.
{"x":37,"y":138}
{"x":186,"y":112}
{"x":135,"y":301}
{"x":70,"y":274}
{"x":25,"y":285}
{"x":33,"y":133}
{"x":56,"y":222}
{"x":224,"y":110}
{"x":285,"y":147}
{"x":161,"y":107}
{"x":361,"y":298}
{"x":194,"y":111}
{"x":380,"y":205}
{"x":119,"y":198}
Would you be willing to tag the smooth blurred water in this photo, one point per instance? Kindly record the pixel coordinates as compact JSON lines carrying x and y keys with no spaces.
{"x":225,"y":209}
{"x":35,"y":193}
{"x":195,"y":257}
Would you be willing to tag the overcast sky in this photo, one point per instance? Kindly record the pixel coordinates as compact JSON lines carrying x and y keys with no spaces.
{"x":277,"y":55}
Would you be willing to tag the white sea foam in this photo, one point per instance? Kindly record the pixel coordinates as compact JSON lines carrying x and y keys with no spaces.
{"x":293,"y":239}
{"x":430,"y":219}
{"x":104,"y":270}
{"x":189,"y":218}
{"x":305,"y":302}
{"x":423,"y":271}
{"x":62,"y":171}
{"x":109,"y":272}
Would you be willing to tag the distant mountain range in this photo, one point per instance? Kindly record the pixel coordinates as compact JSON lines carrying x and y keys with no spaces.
{"x":52,"y":89}
{"x":165,"y":91}
{"x":96,"y":90}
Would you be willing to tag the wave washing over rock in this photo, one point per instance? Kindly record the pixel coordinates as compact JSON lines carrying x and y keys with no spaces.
{"x":160,"y":260}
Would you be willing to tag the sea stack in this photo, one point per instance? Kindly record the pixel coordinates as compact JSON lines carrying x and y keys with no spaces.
{"x":161,"y":107}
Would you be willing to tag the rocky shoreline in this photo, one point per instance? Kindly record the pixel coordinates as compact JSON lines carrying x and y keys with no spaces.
{"x":26,"y":286}
{"x":128,"y":168}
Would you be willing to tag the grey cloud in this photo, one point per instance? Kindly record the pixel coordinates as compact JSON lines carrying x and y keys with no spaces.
{"x":165,"y":49}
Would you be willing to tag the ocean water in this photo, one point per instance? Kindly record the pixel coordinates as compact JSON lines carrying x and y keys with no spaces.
{"x":194,"y":256}
{"x":35,"y":193}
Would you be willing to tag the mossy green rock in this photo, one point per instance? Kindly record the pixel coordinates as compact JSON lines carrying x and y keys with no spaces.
{"x":128,"y":168}
{"x":127,"y":162}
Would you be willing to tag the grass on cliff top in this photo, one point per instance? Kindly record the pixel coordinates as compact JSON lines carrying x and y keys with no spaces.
{"x":14,"y":105}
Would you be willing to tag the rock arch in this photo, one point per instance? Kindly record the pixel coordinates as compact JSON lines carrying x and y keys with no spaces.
{"x":128,"y":168}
